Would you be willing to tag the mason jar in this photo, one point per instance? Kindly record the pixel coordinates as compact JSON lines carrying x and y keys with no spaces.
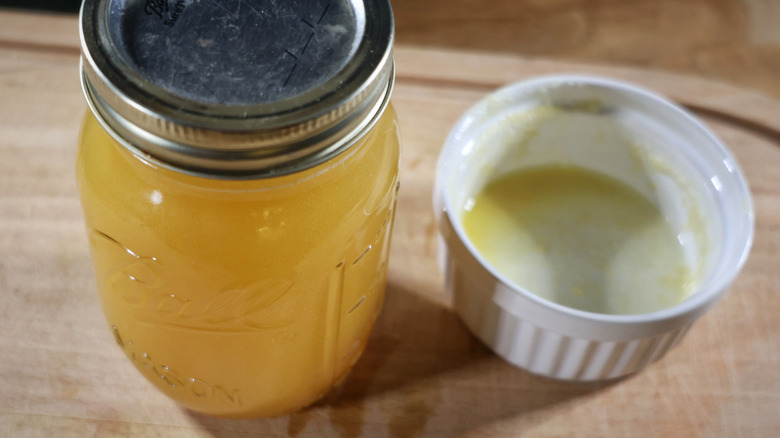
{"x":238,"y":172}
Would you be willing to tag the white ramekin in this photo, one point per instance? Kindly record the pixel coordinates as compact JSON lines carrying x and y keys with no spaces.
{"x":544,"y":337}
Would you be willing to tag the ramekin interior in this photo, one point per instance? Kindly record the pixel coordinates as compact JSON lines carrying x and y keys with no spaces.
{"x":715,"y":167}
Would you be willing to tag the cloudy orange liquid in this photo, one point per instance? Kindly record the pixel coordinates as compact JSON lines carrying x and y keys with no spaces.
{"x":241,"y":298}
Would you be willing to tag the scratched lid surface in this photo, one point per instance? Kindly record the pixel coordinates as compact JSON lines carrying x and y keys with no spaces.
{"x":237,"y":88}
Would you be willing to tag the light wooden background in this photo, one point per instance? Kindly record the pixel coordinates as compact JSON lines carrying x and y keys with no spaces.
{"x":737,"y":41}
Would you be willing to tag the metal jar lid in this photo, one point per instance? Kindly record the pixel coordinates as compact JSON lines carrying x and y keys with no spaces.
{"x":235,"y":89}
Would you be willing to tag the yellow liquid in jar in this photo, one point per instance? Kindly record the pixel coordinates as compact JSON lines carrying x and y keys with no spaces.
{"x":579,"y":239}
{"x":241,"y":298}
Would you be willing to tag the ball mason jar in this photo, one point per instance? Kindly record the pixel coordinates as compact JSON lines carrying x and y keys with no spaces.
{"x":238,"y":174}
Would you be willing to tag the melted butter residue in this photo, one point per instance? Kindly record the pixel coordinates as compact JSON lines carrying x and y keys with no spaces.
{"x":692,"y":225}
{"x":580,"y":239}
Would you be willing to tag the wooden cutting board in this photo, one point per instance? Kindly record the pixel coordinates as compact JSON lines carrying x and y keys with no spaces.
{"x":422,"y":374}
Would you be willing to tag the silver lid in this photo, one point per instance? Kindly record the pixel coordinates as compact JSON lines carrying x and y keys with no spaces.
{"x":237,"y":88}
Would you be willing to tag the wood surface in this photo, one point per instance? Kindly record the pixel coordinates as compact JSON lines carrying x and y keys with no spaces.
{"x":737,"y":41}
{"x":422,"y":374}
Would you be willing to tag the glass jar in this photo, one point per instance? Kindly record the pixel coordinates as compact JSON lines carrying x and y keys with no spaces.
{"x":239,"y":208}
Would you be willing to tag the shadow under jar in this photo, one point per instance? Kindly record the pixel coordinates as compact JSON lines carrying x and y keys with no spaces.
{"x":238,"y":173}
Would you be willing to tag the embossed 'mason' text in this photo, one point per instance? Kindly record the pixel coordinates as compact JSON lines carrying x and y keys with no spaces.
{"x":191,"y":386}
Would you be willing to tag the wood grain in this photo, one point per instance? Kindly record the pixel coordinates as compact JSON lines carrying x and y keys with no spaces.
{"x":422,"y":374}
{"x":39,"y":32}
{"x":736,"y":41}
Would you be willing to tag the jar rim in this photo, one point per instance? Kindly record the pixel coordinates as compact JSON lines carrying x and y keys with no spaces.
{"x":238,"y":139}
